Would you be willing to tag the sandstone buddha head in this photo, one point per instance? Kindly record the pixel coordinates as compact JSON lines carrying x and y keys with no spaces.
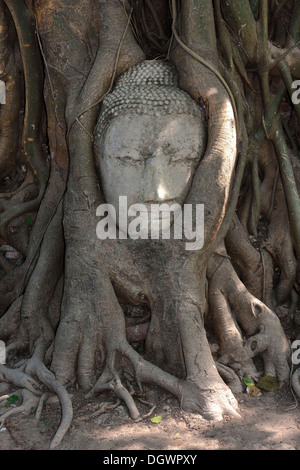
{"x":149,"y":138}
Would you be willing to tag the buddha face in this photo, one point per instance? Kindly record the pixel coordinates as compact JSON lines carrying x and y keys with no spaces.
{"x":150,"y":160}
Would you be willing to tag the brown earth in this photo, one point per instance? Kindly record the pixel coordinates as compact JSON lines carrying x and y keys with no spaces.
{"x":268,"y":422}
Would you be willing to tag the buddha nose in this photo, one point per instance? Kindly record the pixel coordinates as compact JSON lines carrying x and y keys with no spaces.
{"x":155,"y":184}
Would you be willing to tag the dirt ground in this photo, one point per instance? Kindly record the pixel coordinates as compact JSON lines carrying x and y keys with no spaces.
{"x":268,"y":422}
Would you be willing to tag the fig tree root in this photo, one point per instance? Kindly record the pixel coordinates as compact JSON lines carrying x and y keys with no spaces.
{"x":59,"y":305}
{"x":244,"y":326}
{"x":31,"y":377}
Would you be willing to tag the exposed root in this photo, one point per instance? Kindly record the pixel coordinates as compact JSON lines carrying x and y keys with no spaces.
{"x":123,"y":395}
{"x":262,"y":335}
{"x":146,"y":415}
{"x":212,"y":403}
{"x":37,"y":367}
{"x":31,"y":391}
{"x":230,"y":378}
{"x":10,"y":321}
{"x":103,"y":408}
{"x":121,"y":392}
{"x":228,"y":333}
{"x":41,"y":404}
{"x":254,"y":269}
{"x":211,"y":398}
{"x":19,"y":379}
{"x":280,"y":244}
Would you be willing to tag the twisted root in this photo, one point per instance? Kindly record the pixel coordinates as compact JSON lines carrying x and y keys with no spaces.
{"x":32,"y":395}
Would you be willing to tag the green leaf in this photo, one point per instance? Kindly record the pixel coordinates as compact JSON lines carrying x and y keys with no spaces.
{"x":11,"y":400}
{"x":156,"y":419}
{"x":29,"y":220}
{"x":247,"y":382}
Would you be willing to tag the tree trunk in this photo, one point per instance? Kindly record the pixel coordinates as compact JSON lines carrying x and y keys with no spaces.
{"x":94,"y":312}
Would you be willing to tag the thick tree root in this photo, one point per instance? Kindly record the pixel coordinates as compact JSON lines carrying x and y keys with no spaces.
{"x":33,"y":398}
{"x":212,"y":403}
{"x":212,"y":398}
{"x":232,"y":305}
{"x":92,"y":323}
{"x":255,"y":268}
{"x":18,"y":378}
{"x":121,"y":392}
{"x":40,"y":406}
{"x":230,"y":378}
{"x":37,"y":367}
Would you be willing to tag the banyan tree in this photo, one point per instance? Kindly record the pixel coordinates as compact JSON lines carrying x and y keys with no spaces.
{"x":187,"y":103}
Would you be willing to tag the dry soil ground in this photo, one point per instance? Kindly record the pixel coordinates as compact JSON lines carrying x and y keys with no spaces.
{"x":268,"y":422}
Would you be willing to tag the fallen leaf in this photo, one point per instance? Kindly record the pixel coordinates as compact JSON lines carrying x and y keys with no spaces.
{"x":268,"y":383}
{"x":156,"y":419}
{"x":253,"y":391}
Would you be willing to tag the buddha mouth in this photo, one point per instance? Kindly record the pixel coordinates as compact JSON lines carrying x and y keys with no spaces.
{"x":158,"y":217}
{"x":162,"y":209}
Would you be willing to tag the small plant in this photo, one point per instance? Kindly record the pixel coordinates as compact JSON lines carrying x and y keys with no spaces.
{"x":11,"y":400}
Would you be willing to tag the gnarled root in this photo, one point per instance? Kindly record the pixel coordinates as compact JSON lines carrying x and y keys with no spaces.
{"x":18,"y":378}
{"x":254,"y":268}
{"x":75,"y":331}
{"x":230,"y":378}
{"x":32,"y":394}
{"x":211,"y":398}
{"x":212,"y":403}
{"x":245,"y":326}
{"x":122,"y":393}
{"x":37,"y":367}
